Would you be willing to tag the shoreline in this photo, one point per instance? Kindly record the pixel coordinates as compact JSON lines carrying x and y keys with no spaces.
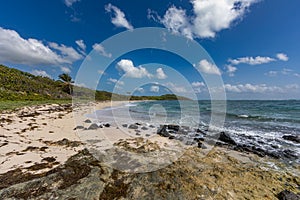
{"x":40,"y":139}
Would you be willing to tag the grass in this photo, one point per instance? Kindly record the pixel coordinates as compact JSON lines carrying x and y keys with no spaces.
{"x":11,"y":105}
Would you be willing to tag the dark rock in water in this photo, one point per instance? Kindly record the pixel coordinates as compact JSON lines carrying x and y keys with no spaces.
{"x":173,"y":127}
{"x":144,"y":128}
{"x":199,"y":139}
{"x":172,"y":137}
{"x":107,"y":125}
{"x":138,"y":134}
{"x":288,"y":195}
{"x":88,"y":121}
{"x":201,"y":145}
{"x":292,"y":138}
{"x":93,"y":127}
{"x":151,"y":126}
{"x":190,"y":143}
{"x":133,"y":126}
{"x":162,"y":131}
{"x":200,"y":131}
{"x":137,"y":131}
{"x":224,"y":137}
{"x":138,"y":124}
{"x":100,"y":126}
{"x":147,"y":135}
{"x":289,"y":154}
{"x":124,"y":125}
{"x":78,"y":127}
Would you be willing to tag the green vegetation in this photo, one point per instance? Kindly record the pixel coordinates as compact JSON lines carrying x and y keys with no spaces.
{"x":18,"y":88}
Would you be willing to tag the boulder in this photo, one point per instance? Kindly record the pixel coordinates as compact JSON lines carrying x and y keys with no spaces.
{"x":162,"y":131}
{"x":225,"y":137}
{"x":288,"y":195}
{"x":88,"y":121}
{"x":292,"y":138}
{"x":133,"y":126}
{"x":93,"y":127}
{"x":173,"y":127}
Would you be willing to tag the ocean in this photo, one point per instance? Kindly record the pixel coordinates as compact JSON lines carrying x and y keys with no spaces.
{"x":254,"y":123}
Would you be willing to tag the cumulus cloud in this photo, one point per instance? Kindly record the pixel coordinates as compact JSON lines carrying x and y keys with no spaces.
{"x":198,"y":84}
{"x":112,"y":80}
{"x":154,"y":88}
{"x":131,"y":71}
{"x":15,"y":49}
{"x":81,"y":44}
{"x":282,"y":56}
{"x":251,"y":60}
{"x":230,"y":70}
{"x":259,"y":88}
{"x":284,"y":71}
{"x":69,"y":3}
{"x":100,"y":49}
{"x":119,"y":19}
{"x":208,"y":68}
{"x":141,"y":90}
{"x":160,"y":74}
{"x":40,"y":73}
{"x":65,"y":70}
{"x":208,"y":18}
{"x":176,"y":88}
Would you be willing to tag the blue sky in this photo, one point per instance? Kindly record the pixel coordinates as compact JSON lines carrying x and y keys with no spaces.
{"x":253,"y":44}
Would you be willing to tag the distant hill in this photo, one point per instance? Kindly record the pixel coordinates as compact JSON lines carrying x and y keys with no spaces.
{"x":19,"y":85}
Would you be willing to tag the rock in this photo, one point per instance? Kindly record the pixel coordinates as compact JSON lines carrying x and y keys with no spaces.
{"x":133,"y":126}
{"x":162,"y":131}
{"x":106,"y":125}
{"x":292,"y":138}
{"x":88,"y":121}
{"x":288,"y":195}
{"x":201,"y":145}
{"x":93,"y":127}
{"x":172,"y":137}
{"x":144,"y":128}
{"x":49,"y":159}
{"x":224,"y":137}
{"x":147,"y":135}
{"x":200,"y":131}
{"x":189,"y":142}
{"x":124,"y":125}
{"x":138,"y":124}
{"x":138,"y":134}
{"x":78,"y":127}
{"x":173,"y":127}
{"x":199,"y":139}
{"x":151,"y":126}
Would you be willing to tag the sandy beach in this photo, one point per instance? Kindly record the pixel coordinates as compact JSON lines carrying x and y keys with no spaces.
{"x":40,"y":142}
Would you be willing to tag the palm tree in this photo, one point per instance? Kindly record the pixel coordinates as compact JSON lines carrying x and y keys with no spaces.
{"x":67,"y":79}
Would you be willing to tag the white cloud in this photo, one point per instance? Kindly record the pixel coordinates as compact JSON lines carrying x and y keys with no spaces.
{"x":81,"y":44}
{"x":40,"y":73}
{"x":176,"y":21}
{"x":160,"y":74}
{"x":208,"y":68}
{"x":282,"y":56}
{"x":15,"y":49}
{"x":141,"y":90}
{"x":260,"y":88}
{"x":198,"y":84}
{"x":284,"y":71}
{"x":176,"y":88}
{"x":131,"y":71}
{"x":251,"y":60}
{"x":101,"y":72}
{"x":208,"y":18}
{"x":119,"y":19}
{"x":100,"y":49}
{"x":65,"y":70}
{"x":297,"y":75}
{"x":69,"y":3}
{"x":112,"y":80}
{"x":154,"y":88}
{"x":272,"y":73}
{"x":231,"y":70}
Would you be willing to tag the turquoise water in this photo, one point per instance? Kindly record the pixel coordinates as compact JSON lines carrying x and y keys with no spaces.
{"x":255,"y":123}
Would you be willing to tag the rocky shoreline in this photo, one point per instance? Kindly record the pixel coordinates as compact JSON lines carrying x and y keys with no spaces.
{"x":227,"y":171}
